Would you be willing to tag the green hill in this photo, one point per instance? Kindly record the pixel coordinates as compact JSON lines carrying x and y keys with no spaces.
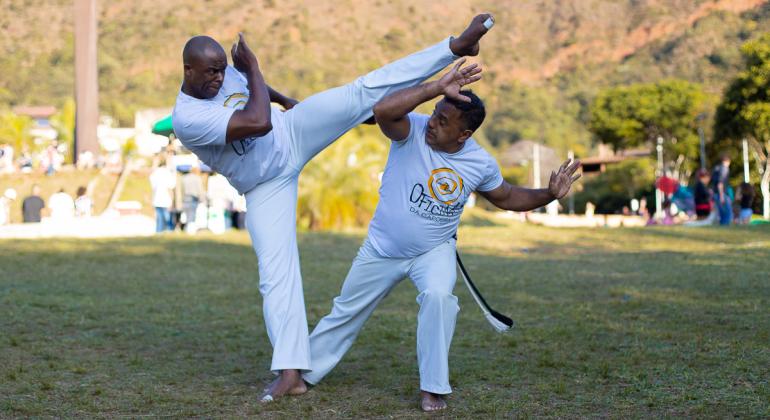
{"x":544,"y":61}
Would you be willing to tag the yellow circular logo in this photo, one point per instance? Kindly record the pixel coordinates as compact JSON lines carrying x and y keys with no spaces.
{"x":445,"y":185}
{"x":236,"y":100}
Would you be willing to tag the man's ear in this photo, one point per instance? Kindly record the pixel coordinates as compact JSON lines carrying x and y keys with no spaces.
{"x":465,"y":135}
{"x":187,"y":69}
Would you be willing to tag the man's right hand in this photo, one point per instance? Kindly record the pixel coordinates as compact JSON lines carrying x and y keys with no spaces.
{"x":244,"y":59}
{"x":254,"y":119}
{"x":453,"y":81}
{"x":391,"y":111}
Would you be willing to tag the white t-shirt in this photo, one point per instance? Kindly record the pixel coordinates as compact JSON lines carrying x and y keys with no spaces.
{"x":5,"y":211}
{"x":83,"y":206}
{"x":201,"y":125}
{"x":62,"y":206}
{"x":219,"y":191}
{"x":162,"y":181}
{"x":423,"y":192}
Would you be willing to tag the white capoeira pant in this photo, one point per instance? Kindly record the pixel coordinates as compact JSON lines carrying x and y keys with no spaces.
{"x":308,"y":128}
{"x":370,"y":279}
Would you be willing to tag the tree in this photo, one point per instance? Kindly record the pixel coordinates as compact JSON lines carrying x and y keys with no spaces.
{"x":636,"y":115}
{"x":15,"y":130}
{"x":745,"y":110}
{"x":518,"y":112}
{"x":64,"y":124}
{"x":339,"y":188}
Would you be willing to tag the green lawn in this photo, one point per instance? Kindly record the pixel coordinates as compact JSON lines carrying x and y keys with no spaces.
{"x":620,"y":323}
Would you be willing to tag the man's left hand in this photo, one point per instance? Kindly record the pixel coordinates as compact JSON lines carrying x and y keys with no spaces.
{"x":288,"y":103}
{"x":562,"y":180}
{"x":458,"y":77}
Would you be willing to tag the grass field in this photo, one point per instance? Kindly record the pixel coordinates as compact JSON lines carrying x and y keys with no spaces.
{"x":611,"y":323}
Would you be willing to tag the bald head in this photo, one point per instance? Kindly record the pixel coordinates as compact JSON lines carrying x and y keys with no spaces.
{"x":205,"y":62}
{"x":200,"y":47}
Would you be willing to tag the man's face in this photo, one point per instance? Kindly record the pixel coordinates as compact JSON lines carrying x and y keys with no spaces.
{"x":204,"y":74}
{"x":446,"y":130}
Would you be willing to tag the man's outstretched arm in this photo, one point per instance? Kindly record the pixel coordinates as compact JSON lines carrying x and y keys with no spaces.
{"x":254,"y":119}
{"x":509,"y":197}
{"x":391,"y":112}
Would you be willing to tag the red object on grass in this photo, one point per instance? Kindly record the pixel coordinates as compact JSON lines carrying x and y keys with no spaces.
{"x":667,"y":185}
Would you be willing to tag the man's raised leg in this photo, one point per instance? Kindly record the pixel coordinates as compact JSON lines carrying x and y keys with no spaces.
{"x":322,"y":118}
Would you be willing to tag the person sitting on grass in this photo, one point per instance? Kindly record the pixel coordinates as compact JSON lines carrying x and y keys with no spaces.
{"x":703,"y":195}
{"x":746,"y":199}
{"x":433,"y":166}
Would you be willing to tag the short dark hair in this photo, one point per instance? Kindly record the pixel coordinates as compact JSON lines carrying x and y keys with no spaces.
{"x":747,"y":189}
{"x":473,"y":112}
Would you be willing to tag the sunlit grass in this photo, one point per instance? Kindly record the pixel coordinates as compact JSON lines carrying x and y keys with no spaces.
{"x":622,"y":323}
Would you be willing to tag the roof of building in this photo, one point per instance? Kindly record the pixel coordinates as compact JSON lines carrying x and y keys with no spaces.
{"x":615,"y":158}
{"x":521,"y":151}
{"x":36,"y":112}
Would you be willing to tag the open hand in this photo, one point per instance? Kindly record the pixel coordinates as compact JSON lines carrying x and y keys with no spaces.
{"x":453,"y":81}
{"x":244,"y":59}
{"x":562,"y":180}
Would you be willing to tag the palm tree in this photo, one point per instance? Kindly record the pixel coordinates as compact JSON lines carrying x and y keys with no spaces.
{"x":339,"y":188}
{"x":64,"y":124}
{"x":15,"y":130}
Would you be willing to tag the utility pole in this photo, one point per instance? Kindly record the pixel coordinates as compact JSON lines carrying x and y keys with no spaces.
{"x":86,"y":79}
{"x":571,"y":157}
{"x":700,"y":118}
{"x":658,"y":192}
{"x":536,"y":166}
{"x":746,"y":177}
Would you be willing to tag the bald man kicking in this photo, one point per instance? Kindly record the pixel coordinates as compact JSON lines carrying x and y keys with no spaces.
{"x":223,"y":115}
{"x":433,"y":166}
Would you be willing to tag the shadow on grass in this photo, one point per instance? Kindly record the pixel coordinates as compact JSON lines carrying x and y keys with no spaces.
{"x":708,"y":234}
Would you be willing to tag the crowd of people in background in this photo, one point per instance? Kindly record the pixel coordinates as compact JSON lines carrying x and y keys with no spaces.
{"x":61,"y":206}
{"x":712,"y":200}
{"x":715,"y":198}
{"x":190,"y":202}
{"x":184,"y":198}
{"x":51,"y":159}
{"x":189,"y":199}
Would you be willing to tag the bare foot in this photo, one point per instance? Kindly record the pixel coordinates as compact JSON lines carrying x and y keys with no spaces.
{"x":289,"y":382}
{"x":432,"y":402}
{"x":467,"y":44}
